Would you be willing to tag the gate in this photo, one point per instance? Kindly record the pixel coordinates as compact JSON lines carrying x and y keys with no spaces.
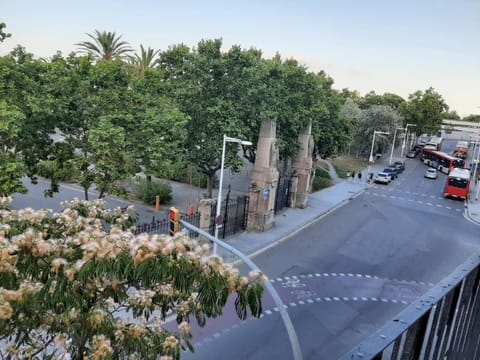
{"x":282,"y":197}
{"x":234,"y":213}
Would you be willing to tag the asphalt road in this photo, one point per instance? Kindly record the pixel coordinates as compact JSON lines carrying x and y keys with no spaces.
{"x":35,"y":199}
{"x":345,"y":276}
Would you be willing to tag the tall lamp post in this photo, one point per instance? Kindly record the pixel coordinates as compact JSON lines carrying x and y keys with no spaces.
{"x":370,"y":159}
{"x":219,"y":200}
{"x":405,"y":138}
{"x":393,"y":143}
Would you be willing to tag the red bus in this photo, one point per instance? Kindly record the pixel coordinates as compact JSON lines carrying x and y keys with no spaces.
{"x":458,"y":184}
{"x":441,"y":161}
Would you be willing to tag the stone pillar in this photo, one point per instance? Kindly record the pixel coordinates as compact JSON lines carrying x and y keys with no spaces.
{"x":206,"y":214}
{"x":264,"y":178}
{"x":303,"y":166}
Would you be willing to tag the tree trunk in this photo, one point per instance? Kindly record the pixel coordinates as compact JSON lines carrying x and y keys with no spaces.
{"x":85,"y":191}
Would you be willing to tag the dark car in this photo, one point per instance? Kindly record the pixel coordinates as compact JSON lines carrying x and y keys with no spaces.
{"x":399,"y":165}
{"x":392,"y":171}
{"x":416,"y":148}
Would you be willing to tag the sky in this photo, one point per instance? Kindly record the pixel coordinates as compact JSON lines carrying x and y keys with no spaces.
{"x":395,"y":46}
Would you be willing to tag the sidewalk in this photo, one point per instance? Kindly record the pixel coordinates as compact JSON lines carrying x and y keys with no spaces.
{"x":473,"y":204}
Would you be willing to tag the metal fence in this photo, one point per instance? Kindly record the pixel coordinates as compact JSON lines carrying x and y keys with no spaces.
{"x":161,"y":226}
{"x":234,"y":214}
{"x":442,"y":324}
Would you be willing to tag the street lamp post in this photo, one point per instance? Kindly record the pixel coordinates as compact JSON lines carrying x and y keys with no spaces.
{"x":405,"y":138}
{"x":219,"y":199}
{"x":393,"y":143}
{"x":370,"y":159}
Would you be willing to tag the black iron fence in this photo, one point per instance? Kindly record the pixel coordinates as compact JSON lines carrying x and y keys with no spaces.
{"x":161,"y":226}
{"x":442,"y":324}
{"x":233,"y":215}
{"x":282,"y":197}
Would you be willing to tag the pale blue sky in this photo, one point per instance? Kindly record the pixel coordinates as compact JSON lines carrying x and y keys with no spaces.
{"x":397,"y":46}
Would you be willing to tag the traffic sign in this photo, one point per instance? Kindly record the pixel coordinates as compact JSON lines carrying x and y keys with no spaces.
{"x":219,"y":220}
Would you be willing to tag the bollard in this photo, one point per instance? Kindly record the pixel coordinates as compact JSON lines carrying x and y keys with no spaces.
{"x":157,"y":203}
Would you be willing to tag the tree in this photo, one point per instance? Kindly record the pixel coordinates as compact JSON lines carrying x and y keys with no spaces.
{"x":451,"y":115}
{"x":143,"y":61}
{"x":205,"y":90}
{"x":67,"y":285}
{"x":332,"y":130}
{"x":3,"y":34}
{"x":105,"y":46}
{"x":12,"y":168}
{"x":376,"y":118}
{"x":389,"y":99}
{"x":425,"y":110}
{"x":352,"y":115}
{"x":109,"y":157}
{"x":472,"y":118}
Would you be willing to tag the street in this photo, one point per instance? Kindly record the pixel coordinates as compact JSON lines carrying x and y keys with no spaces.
{"x":343,"y":276}
{"x":343,"y":279}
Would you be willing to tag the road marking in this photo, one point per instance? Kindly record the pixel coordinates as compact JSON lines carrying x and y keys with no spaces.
{"x":438,"y":205}
{"x":430,"y":204}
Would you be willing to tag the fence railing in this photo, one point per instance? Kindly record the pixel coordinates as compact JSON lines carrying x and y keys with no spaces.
{"x":442,"y":324}
{"x":234,"y":213}
{"x":161,"y":226}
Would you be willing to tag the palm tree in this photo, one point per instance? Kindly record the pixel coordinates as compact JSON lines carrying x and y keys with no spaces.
{"x":144,"y":60}
{"x":106,"y":46}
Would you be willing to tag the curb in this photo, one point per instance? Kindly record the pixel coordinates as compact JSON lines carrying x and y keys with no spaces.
{"x":469,"y":216}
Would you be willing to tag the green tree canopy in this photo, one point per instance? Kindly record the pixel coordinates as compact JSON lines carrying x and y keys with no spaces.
{"x":425,"y":110}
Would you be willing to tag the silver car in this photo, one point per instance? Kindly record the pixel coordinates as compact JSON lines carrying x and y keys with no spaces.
{"x":431,"y":173}
{"x":382,"y":178}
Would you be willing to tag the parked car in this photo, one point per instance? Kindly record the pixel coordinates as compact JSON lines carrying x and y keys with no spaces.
{"x":392,"y":171}
{"x":412,"y":154}
{"x":382,"y":178}
{"x":399,"y":165}
{"x":431,"y":173}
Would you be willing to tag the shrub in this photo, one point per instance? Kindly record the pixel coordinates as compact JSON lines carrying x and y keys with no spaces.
{"x":119,"y":191}
{"x":147,"y":191}
{"x":322,"y":180}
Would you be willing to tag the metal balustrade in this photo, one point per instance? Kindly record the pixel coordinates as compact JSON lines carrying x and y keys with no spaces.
{"x":443,"y":324}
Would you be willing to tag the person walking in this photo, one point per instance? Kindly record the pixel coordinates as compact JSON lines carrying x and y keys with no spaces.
{"x":359,"y":177}
{"x":353,"y":175}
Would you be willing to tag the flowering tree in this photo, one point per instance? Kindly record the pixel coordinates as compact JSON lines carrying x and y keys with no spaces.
{"x":70,"y":288}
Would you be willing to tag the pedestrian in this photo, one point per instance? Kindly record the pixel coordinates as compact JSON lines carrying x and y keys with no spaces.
{"x":353,"y":175}
{"x":359,"y":177}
